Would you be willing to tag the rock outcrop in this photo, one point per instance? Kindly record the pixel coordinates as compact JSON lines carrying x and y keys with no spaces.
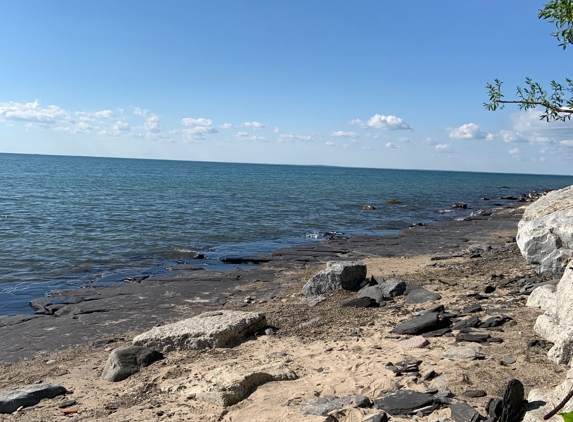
{"x":207,"y":330}
{"x":338,"y":275}
{"x":556,"y":324}
{"x":545,"y":233}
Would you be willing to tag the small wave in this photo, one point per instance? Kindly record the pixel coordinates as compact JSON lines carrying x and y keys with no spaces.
{"x":444,"y":211}
{"x":181,"y":251}
{"x":312,"y":234}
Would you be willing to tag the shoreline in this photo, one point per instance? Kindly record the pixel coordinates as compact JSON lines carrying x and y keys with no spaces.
{"x":333,"y":350}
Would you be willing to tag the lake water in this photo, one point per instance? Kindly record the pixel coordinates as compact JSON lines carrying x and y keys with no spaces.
{"x":68,"y":221}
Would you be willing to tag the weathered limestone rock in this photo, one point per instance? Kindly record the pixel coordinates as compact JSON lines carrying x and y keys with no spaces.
{"x":29,"y":395}
{"x":126,"y":361}
{"x":230,"y":384}
{"x":556,"y":324}
{"x":550,"y":398}
{"x":346,"y":275}
{"x":210,"y":329}
{"x":545,"y":233}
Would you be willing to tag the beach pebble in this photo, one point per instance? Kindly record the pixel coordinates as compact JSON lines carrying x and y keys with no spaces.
{"x":508,"y":360}
{"x":66,"y":403}
{"x":413,"y":342}
{"x":475,"y":393}
{"x":50,"y":362}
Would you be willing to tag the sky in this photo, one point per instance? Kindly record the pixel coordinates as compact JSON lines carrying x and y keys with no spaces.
{"x":362,"y":83}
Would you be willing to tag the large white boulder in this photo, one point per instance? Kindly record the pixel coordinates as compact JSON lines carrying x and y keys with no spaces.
{"x":338,"y":275}
{"x":545,"y":233}
{"x":556,"y":324}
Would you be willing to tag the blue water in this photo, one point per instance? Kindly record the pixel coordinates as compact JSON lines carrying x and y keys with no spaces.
{"x":68,"y":221}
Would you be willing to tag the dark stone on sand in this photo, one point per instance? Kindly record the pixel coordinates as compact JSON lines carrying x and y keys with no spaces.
{"x":430,"y":321}
{"x":475,"y":393}
{"x":360,"y":302}
{"x":66,"y":403}
{"x":472,"y":337}
{"x":472,"y":309}
{"x":378,"y":417}
{"x":514,"y":404}
{"x":437,"y":333}
{"x":126,"y":361}
{"x":321,"y":406}
{"x":421,"y":295}
{"x":27,"y":396}
{"x":494,"y":408}
{"x":494,"y":321}
{"x":489,"y":289}
{"x":463,"y":412}
{"x":472,"y":321}
{"x":403,"y":402}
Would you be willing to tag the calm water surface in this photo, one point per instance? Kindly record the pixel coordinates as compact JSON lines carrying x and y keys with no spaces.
{"x":67,"y":221}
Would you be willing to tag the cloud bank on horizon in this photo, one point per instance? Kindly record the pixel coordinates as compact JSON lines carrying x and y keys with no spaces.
{"x":315,"y":96}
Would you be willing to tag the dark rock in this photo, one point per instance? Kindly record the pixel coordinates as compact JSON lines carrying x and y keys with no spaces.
{"x":514,"y":404}
{"x":378,"y":417}
{"x":463,"y":412}
{"x":494,"y":408}
{"x":475,"y":393}
{"x":362,"y":401}
{"x":126,"y":361}
{"x":27,"y":396}
{"x":393,"y":287}
{"x":403,"y":402}
{"x":495,"y":340}
{"x":472,"y":337}
{"x":375,"y":293}
{"x":430,"y":321}
{"x":421,"y":295}
{"x":440,"y":309}
{"x":472,"y":309}
{"x":489,"y":289}
{"x":494,"y":321}
{"x":472,"y":321}
{"x":462,"y":205}
{"x":360,"y":302}
{"x":430,"y":376}
{"x":437,"y":333}
{"x":479,"y":249}
{"x":347,"y":275}
{"x":537,"y":343}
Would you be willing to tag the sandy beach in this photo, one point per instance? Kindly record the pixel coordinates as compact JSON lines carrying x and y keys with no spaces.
{"x":333,"y":350}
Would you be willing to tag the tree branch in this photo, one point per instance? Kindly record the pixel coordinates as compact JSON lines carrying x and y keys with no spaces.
{"x":536,"y":103}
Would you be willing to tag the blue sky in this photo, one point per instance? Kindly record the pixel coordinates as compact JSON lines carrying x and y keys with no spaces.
{"x":364,"y":83}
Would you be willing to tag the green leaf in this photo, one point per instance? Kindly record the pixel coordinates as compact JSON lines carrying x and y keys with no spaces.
{"x":567,"y":417}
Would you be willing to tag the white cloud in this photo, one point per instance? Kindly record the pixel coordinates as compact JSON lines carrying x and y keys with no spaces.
{"x":197,"y":128}
{"x":276,"y":129}
{"x":253,"y":125}
{"x":33,"y":112}
{"x":81,"y":127}
{"x":566,"y":143}
{"x":120,"y":126}
{"x":152,"y":124}
{"x":404,"y":140}
{"x":139,"y":112}
{"x":104,"y":133}
{"x":293,"y":137}
{"x":104,"y":114}
{"x":329,"y":144}
{"x":379,"y":121}
{"x":390,"y":145}
{"x":443,"y":148}
{"x":514,"y":151}
{"x":342,"y":134}
{"x":226,"y":126}
{"x":469,"y":131}
{"x":512,"y":137}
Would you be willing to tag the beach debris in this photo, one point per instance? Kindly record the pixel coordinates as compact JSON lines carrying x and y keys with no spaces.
{"x":126,"y":361}
{"x":207,"y":330}
{"x":545,"y":232}
{"x":421,"y":295}
{"x":338,"y":275}
{"x":403,"y":402}
{"x":230,"y":384}
{"x":27,"y":396}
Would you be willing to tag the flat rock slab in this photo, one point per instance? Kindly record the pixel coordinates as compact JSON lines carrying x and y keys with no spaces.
{"x":29,"y":395}
{"x":230,"y":384}
{"x":417,"y":342}
{"x":430,"y":321}
{"x":207,"y":330}
{"x":403,"y":402}
{"x":126,"y":361}
{"x":421,"y":295}
{"x":463,"y":412}
{"x":463,"y":353}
